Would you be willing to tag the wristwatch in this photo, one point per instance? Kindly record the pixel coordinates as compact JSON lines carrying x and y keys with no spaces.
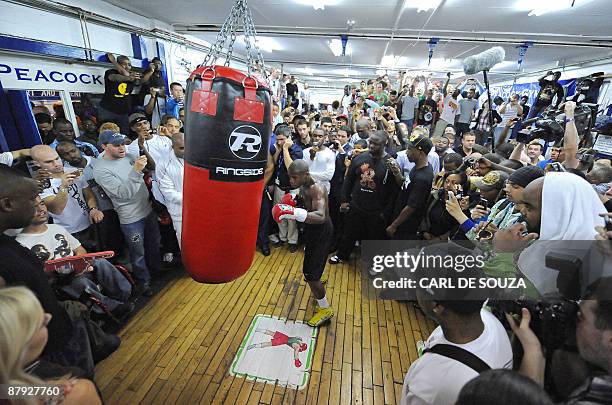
{"x":93,"y":208}
{"x":569,"y":120}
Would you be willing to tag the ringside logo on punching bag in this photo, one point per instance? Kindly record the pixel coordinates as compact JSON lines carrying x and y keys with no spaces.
{"x":245,"y":142}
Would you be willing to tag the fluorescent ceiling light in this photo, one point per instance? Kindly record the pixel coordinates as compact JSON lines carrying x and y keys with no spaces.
{"x":537,"y":8}
{"x":423,"y":5}
{"x":319,"y":4}
{"x":336,"y":47}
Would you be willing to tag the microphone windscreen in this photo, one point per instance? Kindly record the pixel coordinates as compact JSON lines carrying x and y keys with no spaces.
{"x":484,"y":60}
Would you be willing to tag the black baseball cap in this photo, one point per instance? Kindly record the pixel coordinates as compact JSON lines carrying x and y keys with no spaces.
{"x":136,"y":117}
{"x":420,"y":142}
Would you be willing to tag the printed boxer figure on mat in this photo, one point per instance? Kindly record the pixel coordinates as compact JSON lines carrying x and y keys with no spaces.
{"x":318,"y":232}
{"x":278,"y":339}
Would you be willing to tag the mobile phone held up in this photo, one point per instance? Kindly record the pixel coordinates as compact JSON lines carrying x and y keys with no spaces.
{"x":33,"y":168}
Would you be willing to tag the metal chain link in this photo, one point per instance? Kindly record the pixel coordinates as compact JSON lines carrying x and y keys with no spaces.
{"x":251,"y":28}
{"x":247,"y":41}
{"x":235,"y":24}
{"x":226,"y":28}
{"x":229,"y":30}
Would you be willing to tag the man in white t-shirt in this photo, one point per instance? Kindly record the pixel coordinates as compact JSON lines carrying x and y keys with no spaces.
{"x":508,"y":111}
{"x":450,"y":110}
{"x":274,"y":81}
{"x":71,"y":203}
{"x":320,"y":159}
{"x":52,"y":241}
{"x":158,"y":146}
{"x":436,"y":378}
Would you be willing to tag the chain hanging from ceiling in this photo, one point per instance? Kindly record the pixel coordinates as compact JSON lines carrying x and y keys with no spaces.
{"x":239,"y":19}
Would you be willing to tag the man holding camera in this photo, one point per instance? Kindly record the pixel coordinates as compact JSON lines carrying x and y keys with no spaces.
{"x":321,"y":160}
{"x":118,"y":85}
{"x":284,"y":152}
{"x":155,"y":104}
{"x":594,"y":341}
{"x":151,"y":77}
{"x":450,"y":110}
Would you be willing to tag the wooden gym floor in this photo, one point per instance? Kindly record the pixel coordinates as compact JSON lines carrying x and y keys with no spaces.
{"x":178,"y":348}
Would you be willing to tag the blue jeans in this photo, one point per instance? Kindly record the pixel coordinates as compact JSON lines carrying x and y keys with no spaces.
{"x":106,"y":283}
{"x":143,"y":240}
{"x":409,"y":124}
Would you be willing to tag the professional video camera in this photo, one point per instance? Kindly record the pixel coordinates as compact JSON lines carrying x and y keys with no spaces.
{"x":553,"y":320}
{"x":553,"y":316}
{"x":551,"y":126}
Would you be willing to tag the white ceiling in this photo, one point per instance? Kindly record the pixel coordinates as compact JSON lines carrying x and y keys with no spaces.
{"x":299,"y":34}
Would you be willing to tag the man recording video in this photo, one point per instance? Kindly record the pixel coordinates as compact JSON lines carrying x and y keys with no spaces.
{"x":594,"y":341}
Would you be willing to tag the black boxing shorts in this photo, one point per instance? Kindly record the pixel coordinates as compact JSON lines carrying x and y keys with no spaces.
{"x":318,"y":240}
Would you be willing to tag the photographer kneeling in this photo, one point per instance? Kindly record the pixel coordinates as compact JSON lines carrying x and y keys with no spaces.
{"x":594,"y":340}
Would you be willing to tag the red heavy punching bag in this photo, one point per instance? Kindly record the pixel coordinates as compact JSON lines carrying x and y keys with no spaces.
{"x":227,"y":132}
{"x":228,"y":122}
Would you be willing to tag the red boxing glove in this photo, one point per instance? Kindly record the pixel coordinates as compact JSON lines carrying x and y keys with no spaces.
{"x":284,"y":211}
{"x":298,"y":363}
{"x":288,"y":200}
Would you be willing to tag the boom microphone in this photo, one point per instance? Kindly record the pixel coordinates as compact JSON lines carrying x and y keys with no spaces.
{"x":484,"y":60}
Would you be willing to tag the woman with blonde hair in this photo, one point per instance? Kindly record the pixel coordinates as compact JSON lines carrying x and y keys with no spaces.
{"x":23,"y":336}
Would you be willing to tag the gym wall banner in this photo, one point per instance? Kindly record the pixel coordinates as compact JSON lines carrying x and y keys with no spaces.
{"x":529,"y":89}
{"x":27,"y":73}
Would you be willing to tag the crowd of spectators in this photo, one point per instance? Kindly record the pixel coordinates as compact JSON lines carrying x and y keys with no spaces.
{"x":416,"y":162}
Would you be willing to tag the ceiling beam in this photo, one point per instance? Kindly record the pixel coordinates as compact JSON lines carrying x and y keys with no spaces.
{"x":553,"y":40}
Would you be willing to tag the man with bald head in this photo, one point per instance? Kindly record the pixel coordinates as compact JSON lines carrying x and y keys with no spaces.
{"x":368,"y":196}
{"x":313,"y":210}
{"x":170,"y":178}
{"x":69,"y":199}
{"x":363,"y":129}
